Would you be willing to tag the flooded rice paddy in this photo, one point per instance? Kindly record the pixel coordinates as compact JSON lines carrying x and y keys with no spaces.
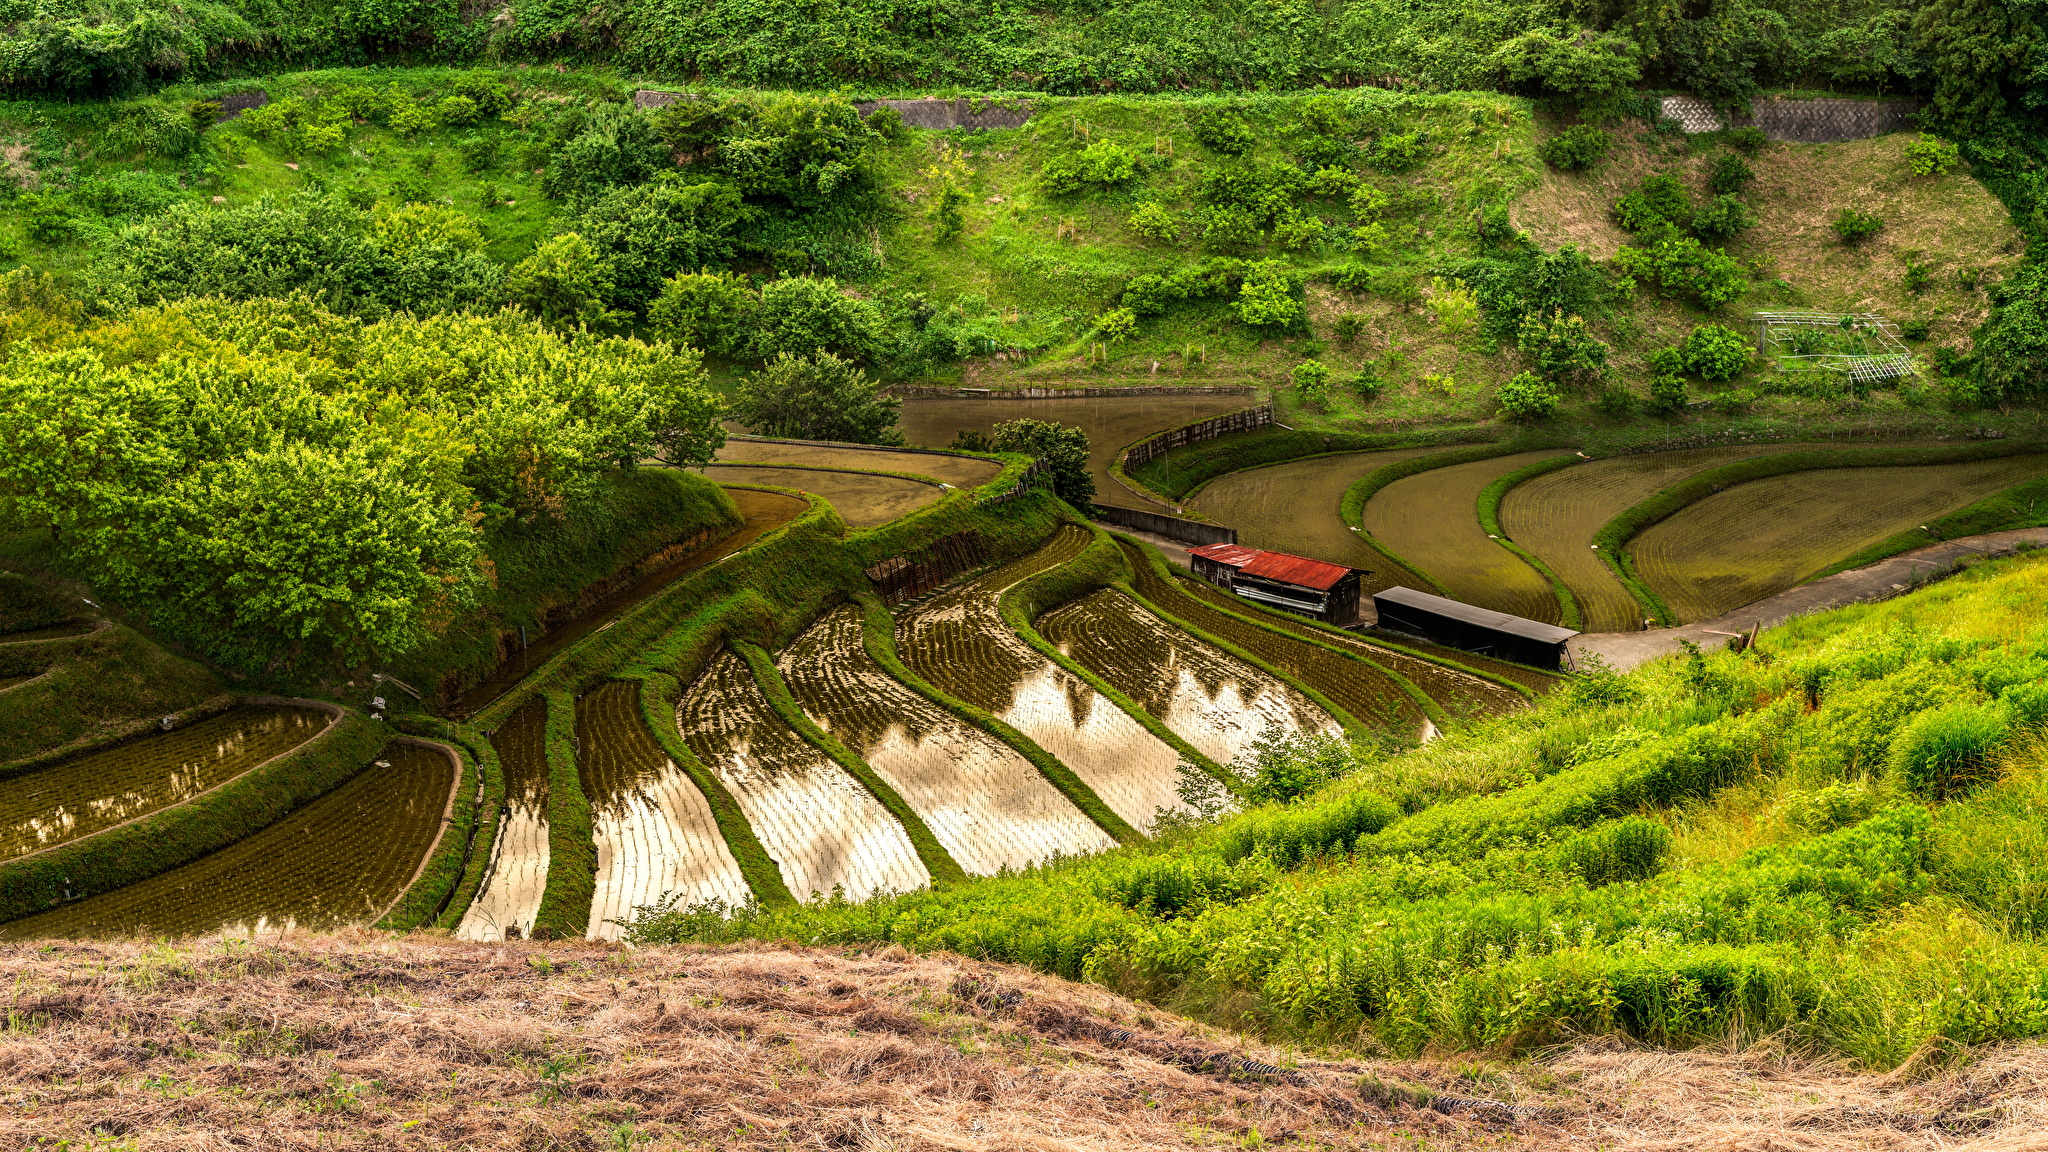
{"x":959,"y":642}
{"x":1557,"y":514}
{"x":761,"y":512}
{"x":819,"y":824}
{"x":1431,"y":520}
{"x":1113,"y":423}
{"x":1215,"y":702}
{"x":989,"y":807}
{"x":342,"y":859}
{"x":518,"y":871}
{"x":1368,"y":694}
{"x":862,"y":499}
{"x":1293,"y":508}
{"x":959,"y":471}
{"x":1757,"y":539}
{"x":654,"y":831}
{"x":63,"y":802}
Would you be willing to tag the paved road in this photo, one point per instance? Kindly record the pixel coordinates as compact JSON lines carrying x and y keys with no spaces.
{"x":1879,"y":581}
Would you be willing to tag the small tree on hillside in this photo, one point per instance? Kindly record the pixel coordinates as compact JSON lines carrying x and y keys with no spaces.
{"x":817,"y":397}
{"x":1063,"y":450}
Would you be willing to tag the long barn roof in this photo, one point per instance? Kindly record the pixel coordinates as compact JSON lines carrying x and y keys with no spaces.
{"x":1472,"y":614}
{"x":1297,"y":570}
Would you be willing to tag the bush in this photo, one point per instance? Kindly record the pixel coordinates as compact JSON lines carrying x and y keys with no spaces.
{"x":1915,"y":330}
{"x":1399,"y":151}
{"x":1103,"y":165}
{"x":1854,"y":226}
{"x":1154,"y":222}
{"x":647,"y":233}
{"x":1685,"y":266}
{"x":1731,"y":174}
{"x":1269,"y":298}
{"x":1576,"y":149}
{"x":1563,"y":348}
{"x":1346,"y":329}
{"x":713,"y":311}
{"x":819,"y":397}
{"x":1223,"y":130}
{"x":1945,"y":751}
{"x":1932,"y":156}
{"x":1528,"y":397}
{"x":1748,"y":141}
{"x":1722,"y":217}
{"x":1658,"y":207}
{"x":457,"y":111}
{"x":1667,"y":392}
{"x":1062,"y":450}
{"x":616,"y":146}
{"x":1918,"y":278}
{"x":1716,"y":353}
{"x":1116,"y":325}
{"x":1366,"y":384}
{"x":803,"y":316}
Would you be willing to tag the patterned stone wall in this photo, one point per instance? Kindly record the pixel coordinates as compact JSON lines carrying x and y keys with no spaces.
{"x":1823,"y":121}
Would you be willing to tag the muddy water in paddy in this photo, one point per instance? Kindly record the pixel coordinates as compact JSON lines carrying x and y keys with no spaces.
{"x":518,"y":872}
{"x":1556,"y":515}
{"x":1213,"y":701}
{"x":1293,"y":508}
{"x":862,"y":499}
{"x":959,"y":642}
{"x":1762,"y":537}
{"x":54,"y":805}
{"x":763,"y":512}
{"x":1113,"y":423}
{"x":819,"y":824}
{"x":988,"y":806}
{"x":1372,"y":697}
{"x":959,"y":471}
{"x":1432,"y":521}
{"x":342,"y":859}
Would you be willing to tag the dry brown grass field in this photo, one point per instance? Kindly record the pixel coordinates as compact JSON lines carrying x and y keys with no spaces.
{"x":363,"y":1040}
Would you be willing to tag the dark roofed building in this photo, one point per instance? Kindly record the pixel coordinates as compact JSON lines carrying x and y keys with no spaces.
{"x":1328,"y":592}
{"x":1474,"y":629}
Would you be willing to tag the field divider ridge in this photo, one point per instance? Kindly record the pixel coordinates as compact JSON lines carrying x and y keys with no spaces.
{"x":1613,"y":537}
{"x":446,"y":865}
{"x":1108,"y":568}
{"x":768,"y":679}
{"x":564,"y":912}
{"x":1488,"y":507}
{"x":1277,"y":444}
{"x":483,"y":814}
{"x":878,"y":631}
{"x":1997,"y":512}
{"x":659,"y":692}
{"x":1351,"y":509}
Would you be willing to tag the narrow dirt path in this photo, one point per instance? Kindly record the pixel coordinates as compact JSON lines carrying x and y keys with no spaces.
{"x":1879,"y":581}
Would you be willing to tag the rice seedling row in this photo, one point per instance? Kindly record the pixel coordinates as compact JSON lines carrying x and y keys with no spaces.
{"x":988,"y":806}
{"x":1213,"y":701}
{"x":1113,"y":423}
{"x":862,"y":499}
{"x":826,"y":832}
{"x":959,"y":642}
{"x":959,"y":471}
{"x":1294,"y":508}
{"x":1368,"y":694}
{"x":78,"y":797}
{"x":654,"y":833}
{"x":1431,"y":521}
{"x":339,"y":860}
{"x":1557,"y":514}
{"x":1760,"y":538}
{"x":518,"y":870}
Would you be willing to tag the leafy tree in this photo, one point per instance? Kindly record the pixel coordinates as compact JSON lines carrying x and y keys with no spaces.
{"x":1586,"y":66}
{"x":1223,"y":130}
{"x":564,"y":283}
{"x":1686,"y":267}
{"x":801,"y":151}
{"x":1731,"y":174}
{"x":1667,"y":392}
{"x":802,"y":316}
{"x":1563,"y":348}
{"x":1269,"y":297}
{"x":2013,"y":342}
{"x":1659,"y":207}
{"x":1528,"y":396}
{"x":1716,"y":353}
{"x":1063,"y":451}
{"x":713,"y":311}
{"x":645,"y":234}
{"x":615,"y":145}
{"x":817,"y":397}
{"x":1722,"y":217}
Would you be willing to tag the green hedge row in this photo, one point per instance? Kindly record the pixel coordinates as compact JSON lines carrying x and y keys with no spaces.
{"x":479,"y":810}
{"x":2023,"y":505}
{"x":1178,"y":474}
{"x":184,"y":832}
{"x":1363,"y":489}
{"x":932,"y":854}
{"x":1613,"y":537}
{"x":1489,"y":519}
{"x":659,"y":692}
{"x":572,"y":846}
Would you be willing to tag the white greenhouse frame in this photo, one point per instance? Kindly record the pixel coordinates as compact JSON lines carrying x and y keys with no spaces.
{"x":1773,"y":339}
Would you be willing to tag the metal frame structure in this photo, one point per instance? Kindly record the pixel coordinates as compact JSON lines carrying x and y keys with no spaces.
{"x":1774,"y":329}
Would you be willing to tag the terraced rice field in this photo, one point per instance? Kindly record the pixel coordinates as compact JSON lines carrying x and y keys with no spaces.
{"x":1113,"y":423}
{"x":1431,"y":520}
{"x":819,"y":824}
{"x":655,"y":834}
{"x":988,"y":806}
{"x":959,"y":471}
{"x":1213,"y":701}
{"x":510,"y":897}
{"x":52,"y":632}
{"x":1293,"y":508}
{"x":55,"y":805}
{"x":958,"y":641}
{"x":342,"y":859}
{"x":1762,"y":537}
{"x":1556,"y":515}
{"x":1367,"y":693}
{"x":863,"y":499}
{"x":7,"y":682}
{"x":761,"y":512}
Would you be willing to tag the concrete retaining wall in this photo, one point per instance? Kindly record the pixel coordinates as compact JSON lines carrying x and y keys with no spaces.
{"x":1160,"y":524}
{"x":1821,"y":121}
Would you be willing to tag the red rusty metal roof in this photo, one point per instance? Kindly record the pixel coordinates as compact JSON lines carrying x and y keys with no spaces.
{"x":1235,"y":555}
{"x":1297,"y":570}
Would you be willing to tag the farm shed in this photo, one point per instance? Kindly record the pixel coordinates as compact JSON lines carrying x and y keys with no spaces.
{"x":1328,"y":592}
{"x":1474,"y":629}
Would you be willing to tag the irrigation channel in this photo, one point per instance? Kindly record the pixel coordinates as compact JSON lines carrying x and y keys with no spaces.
{"x":1113,"y":423}
{"x":74,"y":798}
{"x":315,"y":869}
{"x":517,"y":874}
{"x":959,"y":641}
{"x":1764,"y":536}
